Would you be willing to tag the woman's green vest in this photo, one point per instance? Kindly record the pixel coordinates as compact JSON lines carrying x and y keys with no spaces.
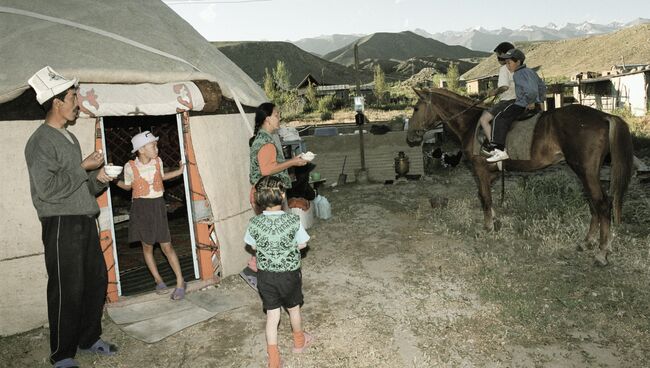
{"x":262,"y":138}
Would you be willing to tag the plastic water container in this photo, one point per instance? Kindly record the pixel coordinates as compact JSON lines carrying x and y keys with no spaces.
{"x":324,"y":209}
{"x":306,"y":217}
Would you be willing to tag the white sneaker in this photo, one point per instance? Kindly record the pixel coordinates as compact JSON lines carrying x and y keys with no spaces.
{"x":498,"y":155}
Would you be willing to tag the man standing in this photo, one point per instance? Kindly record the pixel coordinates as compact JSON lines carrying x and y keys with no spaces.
{"x":63,"y":189}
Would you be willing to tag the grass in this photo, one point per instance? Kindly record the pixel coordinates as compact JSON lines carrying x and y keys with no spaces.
{"x":544,"y":288}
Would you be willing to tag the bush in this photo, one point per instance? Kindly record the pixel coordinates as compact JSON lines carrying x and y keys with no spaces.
{"x":326,"y":115}
{"x":291,"y":105}
{"x":326,"y":104}
{"x":338,"y":103}
{"x":308,"y":108}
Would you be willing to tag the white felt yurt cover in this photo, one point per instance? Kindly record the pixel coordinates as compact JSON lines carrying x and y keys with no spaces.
{"x":117,"y":41}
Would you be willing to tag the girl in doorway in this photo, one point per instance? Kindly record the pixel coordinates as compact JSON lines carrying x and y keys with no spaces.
{"x":277,"y":237}
{"x":148,"y":215}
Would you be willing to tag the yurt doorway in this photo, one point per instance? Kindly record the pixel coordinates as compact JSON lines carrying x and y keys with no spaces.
{"x":133,"y":275}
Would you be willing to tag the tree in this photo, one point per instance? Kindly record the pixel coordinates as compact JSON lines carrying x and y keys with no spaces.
{"x":269,"y":85}
{"x":310,"y":95}
{"x":380,"y":84}
{"x":453,"y":77}
{"x":281,"y":76}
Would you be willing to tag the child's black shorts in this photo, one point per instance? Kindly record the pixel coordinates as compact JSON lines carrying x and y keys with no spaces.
{"x":280,"y":289}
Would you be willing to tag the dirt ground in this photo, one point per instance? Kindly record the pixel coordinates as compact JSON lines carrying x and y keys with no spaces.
{"x":390,"y":281}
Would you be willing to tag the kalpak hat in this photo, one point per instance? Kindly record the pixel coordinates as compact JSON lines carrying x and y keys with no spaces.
{"x":141,"y":139}
{"x":47,"y":83}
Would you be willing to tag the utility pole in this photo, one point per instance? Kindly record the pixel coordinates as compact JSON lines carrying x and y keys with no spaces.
{"x":356,"y":68}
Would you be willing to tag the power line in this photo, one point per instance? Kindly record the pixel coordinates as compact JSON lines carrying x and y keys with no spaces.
{"x":182,"y":2}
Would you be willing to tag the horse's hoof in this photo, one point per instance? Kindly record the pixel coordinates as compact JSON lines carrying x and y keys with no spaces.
{"x":601,"y":260}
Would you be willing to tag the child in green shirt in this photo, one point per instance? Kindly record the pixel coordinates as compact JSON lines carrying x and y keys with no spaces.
{"x":277,"y":238}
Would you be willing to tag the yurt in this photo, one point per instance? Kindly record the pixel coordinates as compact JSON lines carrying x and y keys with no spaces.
{"x":140,"y":67}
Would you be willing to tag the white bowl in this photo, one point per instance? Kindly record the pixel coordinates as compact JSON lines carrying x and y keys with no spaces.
{"x":308,"y":156}
{"x":113,"y":170}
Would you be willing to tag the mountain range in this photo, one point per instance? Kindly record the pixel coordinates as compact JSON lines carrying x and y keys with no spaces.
{"x":323,"y":44}
{"x":253,"y":57}
{"x":400,"y":55}
{"x":481,"y":39}
{"x":564,"y":58}
{"x":399,"y":46}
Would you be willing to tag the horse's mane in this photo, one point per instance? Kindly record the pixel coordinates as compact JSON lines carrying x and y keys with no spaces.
{"x":452,"y":95}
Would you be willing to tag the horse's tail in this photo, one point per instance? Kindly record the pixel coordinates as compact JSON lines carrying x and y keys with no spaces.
{"x":620,"y":148}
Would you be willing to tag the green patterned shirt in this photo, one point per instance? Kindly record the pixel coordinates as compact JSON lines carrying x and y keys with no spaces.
{"x":262,"y":138}
{"x":276,"y":235}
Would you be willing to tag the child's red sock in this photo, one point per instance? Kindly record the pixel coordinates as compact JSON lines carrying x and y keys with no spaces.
{"x":274,"y":356}
{"x":298,"y":339}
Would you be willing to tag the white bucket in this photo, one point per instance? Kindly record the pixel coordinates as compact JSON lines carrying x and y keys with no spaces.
{"x":306,"y":217}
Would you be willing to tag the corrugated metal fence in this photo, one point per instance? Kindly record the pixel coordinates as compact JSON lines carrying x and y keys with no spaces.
{"x":380,"y":153}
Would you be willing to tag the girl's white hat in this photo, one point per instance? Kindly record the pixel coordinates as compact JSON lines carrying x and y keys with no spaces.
{"x":140,"y":139}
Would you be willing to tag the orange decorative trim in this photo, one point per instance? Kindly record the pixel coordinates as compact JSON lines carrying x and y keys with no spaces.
{"x":105,"y":237}
{"x":207,"y":245}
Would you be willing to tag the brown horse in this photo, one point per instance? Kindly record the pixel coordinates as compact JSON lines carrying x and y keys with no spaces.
{"x":577,"y":134}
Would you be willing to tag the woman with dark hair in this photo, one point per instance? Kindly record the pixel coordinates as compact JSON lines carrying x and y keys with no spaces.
{"x":266,"y":159}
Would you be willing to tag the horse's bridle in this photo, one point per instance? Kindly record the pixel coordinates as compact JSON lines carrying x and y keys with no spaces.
{"x":476,"y":103}
{"x":442,"y":121}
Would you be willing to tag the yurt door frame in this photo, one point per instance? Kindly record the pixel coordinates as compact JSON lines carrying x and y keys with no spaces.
{"x":188,"y":197}
{"x":188,"y":201}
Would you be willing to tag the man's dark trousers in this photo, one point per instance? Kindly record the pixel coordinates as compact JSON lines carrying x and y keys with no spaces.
{"x":76,"y":286}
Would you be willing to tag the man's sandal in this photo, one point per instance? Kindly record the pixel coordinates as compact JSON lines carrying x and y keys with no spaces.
{"x":66,"y":363}
{"x":101,"y":347}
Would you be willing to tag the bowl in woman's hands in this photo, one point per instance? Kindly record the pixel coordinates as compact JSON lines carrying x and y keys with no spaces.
{"x":113,"y":170}
{"x":308,"y":156}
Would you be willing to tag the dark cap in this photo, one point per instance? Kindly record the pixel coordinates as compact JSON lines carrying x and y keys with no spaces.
{"x":514,"y":54}
{"x":503,"y":47}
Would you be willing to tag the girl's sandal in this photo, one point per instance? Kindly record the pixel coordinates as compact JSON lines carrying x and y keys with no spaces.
{"x":161,"y":288}
{"x":179,"y":293}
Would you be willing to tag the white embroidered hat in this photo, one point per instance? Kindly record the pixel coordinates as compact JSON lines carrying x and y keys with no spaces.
{"x":140,"y":139}
{"x":47,"y":83}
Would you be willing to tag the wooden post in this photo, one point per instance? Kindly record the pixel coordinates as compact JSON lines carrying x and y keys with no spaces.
{"x":356,"y":68}
{"x":106,"y":240}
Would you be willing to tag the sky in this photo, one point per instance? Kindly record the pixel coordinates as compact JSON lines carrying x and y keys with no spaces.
{"x":291,"y":20}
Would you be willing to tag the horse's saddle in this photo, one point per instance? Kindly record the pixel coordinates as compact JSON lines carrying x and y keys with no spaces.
{"x":519,"y":139}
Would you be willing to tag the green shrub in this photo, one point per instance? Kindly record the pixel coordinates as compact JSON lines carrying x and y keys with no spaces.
{"x":292,"y":106}
{"x":326,"y":104}
{"x":326,"y":115}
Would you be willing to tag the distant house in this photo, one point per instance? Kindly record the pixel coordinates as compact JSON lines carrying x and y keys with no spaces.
{"x":304,"y":84}
{"x":622,"y":87}
{"x":345,"y":91}
{"x":480,"y":85}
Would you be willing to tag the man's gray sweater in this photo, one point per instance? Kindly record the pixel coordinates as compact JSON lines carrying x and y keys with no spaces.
{"x":59,"y":185}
